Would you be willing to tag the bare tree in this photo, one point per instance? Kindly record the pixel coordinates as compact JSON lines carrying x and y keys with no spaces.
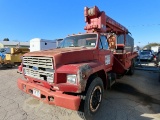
{"x":6,"y":39}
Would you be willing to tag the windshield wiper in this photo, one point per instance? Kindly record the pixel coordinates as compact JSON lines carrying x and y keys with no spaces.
{"x":74,"y":46}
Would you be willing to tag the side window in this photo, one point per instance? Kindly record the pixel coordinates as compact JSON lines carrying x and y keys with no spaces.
{"x":103,"y":43}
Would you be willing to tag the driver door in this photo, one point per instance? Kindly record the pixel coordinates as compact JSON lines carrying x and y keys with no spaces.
{"x":105,"y":55}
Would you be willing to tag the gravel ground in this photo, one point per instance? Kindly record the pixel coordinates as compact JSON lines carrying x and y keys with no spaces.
{"x":134,"y":97}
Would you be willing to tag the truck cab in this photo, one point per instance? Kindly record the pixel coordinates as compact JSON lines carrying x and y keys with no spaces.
{"x":94,"y":42}
{"x":68,"y":67}
{"x":66,"y":73}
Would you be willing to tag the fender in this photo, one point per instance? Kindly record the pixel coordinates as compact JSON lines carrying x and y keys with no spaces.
{"x":83,"y":71}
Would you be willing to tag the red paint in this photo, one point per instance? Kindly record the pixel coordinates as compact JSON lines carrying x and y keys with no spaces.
{"x":60,"y":99}
{"x":81,"y":61}
{"x":19,"y":69}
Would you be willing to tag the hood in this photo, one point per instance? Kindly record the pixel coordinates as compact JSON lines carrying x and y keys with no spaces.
{"x":66,"y":55}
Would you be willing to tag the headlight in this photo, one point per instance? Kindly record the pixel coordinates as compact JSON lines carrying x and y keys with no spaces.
{"x":71,"y":79}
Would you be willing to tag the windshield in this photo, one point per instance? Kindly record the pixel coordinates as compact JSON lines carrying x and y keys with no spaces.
{"x":145,"y":53}
{"x":86,"y":40}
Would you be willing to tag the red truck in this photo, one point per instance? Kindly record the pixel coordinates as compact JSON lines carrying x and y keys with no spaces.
{"x":82,"y":67}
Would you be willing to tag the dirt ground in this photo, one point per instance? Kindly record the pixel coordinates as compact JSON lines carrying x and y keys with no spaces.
{"x":134,"y":97}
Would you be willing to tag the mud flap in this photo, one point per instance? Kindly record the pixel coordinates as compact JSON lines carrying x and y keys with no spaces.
{"x":111,"y":79}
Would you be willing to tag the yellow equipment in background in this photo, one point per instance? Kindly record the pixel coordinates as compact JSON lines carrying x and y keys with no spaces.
{"x":19,"y":50}
{"x":1,"y":60}
{"x":14,"y":57}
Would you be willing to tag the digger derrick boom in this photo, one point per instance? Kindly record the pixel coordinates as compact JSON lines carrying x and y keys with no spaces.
{"x":114,"y":26}
{"x":98,"y":21}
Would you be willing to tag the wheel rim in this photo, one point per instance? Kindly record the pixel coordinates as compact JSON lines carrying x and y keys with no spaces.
{"x":95,"y":98}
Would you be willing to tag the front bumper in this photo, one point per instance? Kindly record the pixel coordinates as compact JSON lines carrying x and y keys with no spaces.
{"x":19,"y":69}
{"x":51,"y":97}
{"x":146,"y":58}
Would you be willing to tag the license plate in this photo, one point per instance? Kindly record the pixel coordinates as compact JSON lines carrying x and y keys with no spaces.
{"x":37,"y":93}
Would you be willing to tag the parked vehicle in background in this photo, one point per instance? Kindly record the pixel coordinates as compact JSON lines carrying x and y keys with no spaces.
{"x":157,"y":59}
{"x":151,"y":51}
{"x":146,"y":55}
{"x":12,"y":56}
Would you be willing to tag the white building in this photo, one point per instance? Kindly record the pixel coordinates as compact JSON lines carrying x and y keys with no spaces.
{"x":9,"y":44}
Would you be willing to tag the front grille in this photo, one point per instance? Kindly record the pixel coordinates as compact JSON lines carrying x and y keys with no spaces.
{"x":39,"y":67}
{"x":45,"y":62}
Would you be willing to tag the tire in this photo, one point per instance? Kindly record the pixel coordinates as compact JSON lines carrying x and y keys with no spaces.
{"x":9,"y":66}
{"x":159,"y":76}
{"x":94,"y":98}
{"x":131,"y":69}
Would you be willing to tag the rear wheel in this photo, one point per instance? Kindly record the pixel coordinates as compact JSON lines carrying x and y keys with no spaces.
{"x":93,"y":98}
{"x":9,"y":66}
{"x":131,"y":69}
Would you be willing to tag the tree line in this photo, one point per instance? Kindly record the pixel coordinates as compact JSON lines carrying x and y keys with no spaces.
{"x":151,"y":45}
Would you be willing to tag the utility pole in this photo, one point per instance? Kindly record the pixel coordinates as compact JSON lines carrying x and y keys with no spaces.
{"x":139,"y":61}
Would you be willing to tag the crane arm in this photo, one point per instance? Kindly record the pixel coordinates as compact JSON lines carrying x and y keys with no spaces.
{"x":98,"y":21}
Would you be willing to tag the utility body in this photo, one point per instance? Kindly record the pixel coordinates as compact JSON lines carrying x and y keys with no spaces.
{"x":37,"y":44}
{"x":82,"y":67}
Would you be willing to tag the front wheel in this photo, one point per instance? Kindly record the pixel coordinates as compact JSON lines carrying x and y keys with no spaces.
{"x":94,"y":98}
